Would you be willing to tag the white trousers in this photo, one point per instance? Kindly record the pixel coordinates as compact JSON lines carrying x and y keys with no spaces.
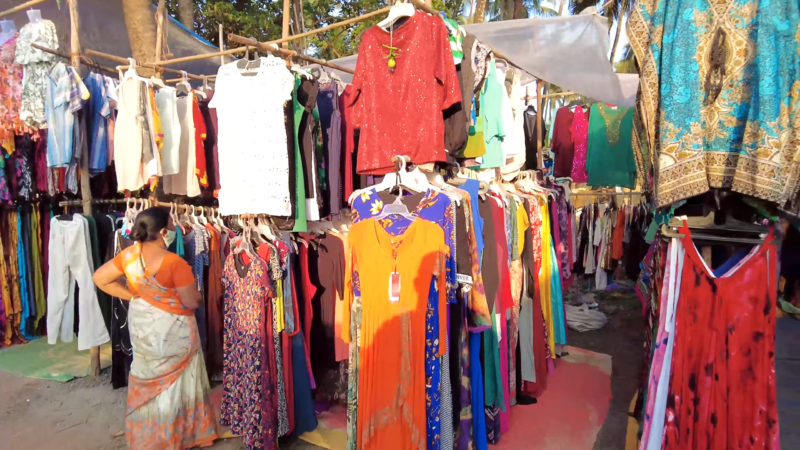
{"x":70,"y":261}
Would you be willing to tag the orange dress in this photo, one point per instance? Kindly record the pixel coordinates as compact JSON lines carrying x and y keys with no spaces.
{"x":391,"y":383}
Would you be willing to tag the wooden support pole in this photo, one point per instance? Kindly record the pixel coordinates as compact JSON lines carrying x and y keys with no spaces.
{"x":539,"y":149}
{"x":221,"y":46}
{"x":284,"y":53}
{"x":330,"y":27}
{"x":21,"y":7}
{"x":231,"y":51}
{"x":285,"y":29}
{"x":159,"y":29}
{"x":557,"y":94}
{"x":125,"y":61}
{"x":86,"y":192}
{"x":84,"y":60}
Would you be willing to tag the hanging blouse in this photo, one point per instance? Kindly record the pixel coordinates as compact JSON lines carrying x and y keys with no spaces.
{"x":128,"y":140}
{"x":37,"y":65}
{"x":562,"y":143}
{"x":609,"y":159}
{"x":491,"y":108}
{"x":10,"y":95}
{"x":253,"y":161}
{"x":199,"y":143}
{"x":580,"y":133}
{"x":167,"y":104}
{"x":400,"y":112}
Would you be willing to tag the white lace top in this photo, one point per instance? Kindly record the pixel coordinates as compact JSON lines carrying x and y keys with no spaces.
{"x":251,"y":140}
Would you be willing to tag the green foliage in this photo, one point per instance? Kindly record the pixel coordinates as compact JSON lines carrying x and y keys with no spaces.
{"x":262,"y":19}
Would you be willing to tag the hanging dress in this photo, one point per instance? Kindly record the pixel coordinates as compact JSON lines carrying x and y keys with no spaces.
{"x":722,"y":391}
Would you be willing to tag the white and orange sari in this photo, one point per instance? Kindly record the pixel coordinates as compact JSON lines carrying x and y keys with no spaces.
{"x":169,"y":405}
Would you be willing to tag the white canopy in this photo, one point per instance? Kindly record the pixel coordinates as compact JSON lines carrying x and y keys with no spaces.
{"x":570,"y":52}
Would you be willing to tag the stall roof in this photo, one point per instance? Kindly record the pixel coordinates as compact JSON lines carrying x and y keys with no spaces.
{"x":570,"y":52}
{"x":103,"y":29}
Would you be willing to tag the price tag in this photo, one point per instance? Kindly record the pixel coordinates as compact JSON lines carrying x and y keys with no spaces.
{"x":394,"y":287}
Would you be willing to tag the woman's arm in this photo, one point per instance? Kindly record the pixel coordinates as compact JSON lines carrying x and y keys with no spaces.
{"x":107,"y":280}
{"x":190,"y":296}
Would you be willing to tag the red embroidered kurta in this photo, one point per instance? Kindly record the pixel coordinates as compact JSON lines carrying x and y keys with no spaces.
{"x":400,"y":112}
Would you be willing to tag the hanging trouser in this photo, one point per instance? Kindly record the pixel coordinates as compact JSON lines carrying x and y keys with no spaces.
{"x":71,"y":261}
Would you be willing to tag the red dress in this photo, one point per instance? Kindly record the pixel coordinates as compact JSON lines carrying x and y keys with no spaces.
{"x":400,"y":112}
{"x":722,"y":392}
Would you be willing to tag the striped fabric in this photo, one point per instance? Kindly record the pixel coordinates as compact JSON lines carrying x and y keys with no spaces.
{"x":456,"y":36}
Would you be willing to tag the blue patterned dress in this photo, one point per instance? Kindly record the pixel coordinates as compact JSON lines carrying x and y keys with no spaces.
{"x":719,"y":103}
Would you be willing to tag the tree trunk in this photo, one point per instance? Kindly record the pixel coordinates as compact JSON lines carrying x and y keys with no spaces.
{"x":518,"y":10}
{"x":141,"y":30}
{"x":619,"y":28}
{"x":186,"y":13}
{"x":480,"y":11}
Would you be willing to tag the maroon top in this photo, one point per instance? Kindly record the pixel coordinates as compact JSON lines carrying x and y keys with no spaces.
{"x":562,"y":146}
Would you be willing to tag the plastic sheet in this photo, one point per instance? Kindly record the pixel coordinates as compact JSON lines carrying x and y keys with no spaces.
{"x":570,"y":52}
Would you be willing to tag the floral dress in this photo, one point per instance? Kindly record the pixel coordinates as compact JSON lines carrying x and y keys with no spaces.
{"x":37,"y":65}
{"x":10,"y":96}
{"x":247,"y":405}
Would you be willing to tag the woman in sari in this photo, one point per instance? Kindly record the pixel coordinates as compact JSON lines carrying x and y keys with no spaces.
{"x":169,"y":405}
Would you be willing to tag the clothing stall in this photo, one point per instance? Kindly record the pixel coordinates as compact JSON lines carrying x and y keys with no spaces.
{"x":404,"y":261}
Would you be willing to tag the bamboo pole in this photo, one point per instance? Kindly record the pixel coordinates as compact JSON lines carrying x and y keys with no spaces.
{"x":539,"y":150}
{"x":86,"y":192}
{"x":285,"y":28}
{"x":231,"y":51}
{"x":21,"y":7}
{"x":175,"y":80}
{"x":285,"y":53}
{"x":159,"y":29}
{"x":125,"y":61}
{"x":330,"y":27}
{"x":620,"y":18}
{"x":418,"y":3}
{"x":221,"y":47}
{"x":557,"y":94}
{"x":84,"y":60}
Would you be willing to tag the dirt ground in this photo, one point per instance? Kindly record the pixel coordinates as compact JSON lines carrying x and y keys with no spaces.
{"x":622,"y":338}
{"x":83,"y":414}
{"x":87,"y":414}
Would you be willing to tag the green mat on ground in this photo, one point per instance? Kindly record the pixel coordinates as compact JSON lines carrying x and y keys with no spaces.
{"x":61,"y":362}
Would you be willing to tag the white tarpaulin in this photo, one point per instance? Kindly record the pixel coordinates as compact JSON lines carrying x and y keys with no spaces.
{"x":570,"y":52}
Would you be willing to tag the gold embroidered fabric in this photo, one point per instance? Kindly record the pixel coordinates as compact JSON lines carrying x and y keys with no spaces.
{"x":717,"y":108}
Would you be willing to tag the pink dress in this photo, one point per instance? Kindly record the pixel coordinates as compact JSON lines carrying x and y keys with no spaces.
{"x":580,"y":134}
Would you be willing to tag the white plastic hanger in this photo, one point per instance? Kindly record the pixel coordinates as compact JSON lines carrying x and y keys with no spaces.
{"x":395,"y":208}
{"x":8,"y":29}
{"x":131,"y":73}
{"x":183,"y":86}
{"x":34,"y":15}
{"x":391,"y":180}
{"x":400,"y":9}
